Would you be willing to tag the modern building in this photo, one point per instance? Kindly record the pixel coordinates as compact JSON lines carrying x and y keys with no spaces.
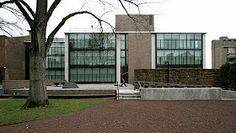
{"x":90,"y":57}
{"x":54,"y":63}
{"x":95,"y":57}
{"x":223,"y":50}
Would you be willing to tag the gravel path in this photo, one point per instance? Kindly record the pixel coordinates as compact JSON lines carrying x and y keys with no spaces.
{"x":134,"y":116}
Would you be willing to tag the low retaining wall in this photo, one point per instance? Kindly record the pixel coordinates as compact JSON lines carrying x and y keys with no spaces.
{"x":229,"y":94}
{"x":181,"y":93}
{"x":65,"y":92}
{"x":16,"y":84}
{"x":13,"y":84}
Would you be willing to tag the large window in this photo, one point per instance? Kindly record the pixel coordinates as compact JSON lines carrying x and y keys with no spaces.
{"x":123,"y":50}
{"x":124,"y":56}
{"x":231,"y":50}
{"x":179,"y":50}
{"x":92,"y":57}
{"x":54,"y":63}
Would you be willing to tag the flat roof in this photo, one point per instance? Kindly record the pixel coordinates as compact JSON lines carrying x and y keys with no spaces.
{"x":117,"y":32}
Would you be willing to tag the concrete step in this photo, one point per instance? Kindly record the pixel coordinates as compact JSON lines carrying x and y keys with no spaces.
{"x":129,"y":93}
{"x":129,"y":96}
{"x":125,"y":94}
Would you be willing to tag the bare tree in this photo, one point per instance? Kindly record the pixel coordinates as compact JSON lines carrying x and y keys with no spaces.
{"x":9,"y":26}
{"x":40,"y":43}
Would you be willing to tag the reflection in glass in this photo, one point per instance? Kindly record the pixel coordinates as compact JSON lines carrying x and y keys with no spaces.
{"x":54,"y":62}
{"x":93,"y":58}
{"x":179,"y":49}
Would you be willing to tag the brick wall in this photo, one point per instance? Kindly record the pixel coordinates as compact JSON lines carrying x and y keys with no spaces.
{"x":178,"y":76}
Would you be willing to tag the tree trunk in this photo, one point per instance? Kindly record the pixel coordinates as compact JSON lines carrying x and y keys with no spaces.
{"x":37,"y":91}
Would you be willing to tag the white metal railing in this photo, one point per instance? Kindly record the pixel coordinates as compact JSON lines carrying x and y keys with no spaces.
{"x":117,"y":90}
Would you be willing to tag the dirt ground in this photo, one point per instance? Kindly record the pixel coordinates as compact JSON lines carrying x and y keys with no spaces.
{"x":137,"y":116}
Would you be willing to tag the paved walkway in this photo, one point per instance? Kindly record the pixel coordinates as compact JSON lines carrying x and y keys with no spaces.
{"x":137,"y":116}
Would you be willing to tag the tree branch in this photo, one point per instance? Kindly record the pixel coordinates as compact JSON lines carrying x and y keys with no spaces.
{"x":52,"y":8}
{"x":8,"y":27}
{"x":17,"y":13}
{"x":24,"y":12}
{"x":126,"y":11}
{"x":6,"y":2}
{"x":53,"y":33}
{"x":28,"y":8}
{"x":123,"y":6}
{"x":130,"y":2}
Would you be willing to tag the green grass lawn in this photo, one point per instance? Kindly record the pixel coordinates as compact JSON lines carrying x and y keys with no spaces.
{"x":11,"y":111}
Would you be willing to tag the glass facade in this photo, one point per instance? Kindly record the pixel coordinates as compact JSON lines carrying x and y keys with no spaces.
{"x":124,"y":56}
{"x":179,"y":50}
{"x":54,"y":63}
{"x":123,"y":50}
{"x":92,"y":57}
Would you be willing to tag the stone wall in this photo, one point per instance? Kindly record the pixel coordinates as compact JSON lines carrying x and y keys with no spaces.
{"x":178,"y":76}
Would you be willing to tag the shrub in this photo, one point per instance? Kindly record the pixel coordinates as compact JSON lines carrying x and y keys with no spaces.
{"x":233,"y":76}
{"x":227,"y":76}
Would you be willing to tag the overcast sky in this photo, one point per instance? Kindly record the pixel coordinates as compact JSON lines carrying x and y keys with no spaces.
{"x":215,"y":17}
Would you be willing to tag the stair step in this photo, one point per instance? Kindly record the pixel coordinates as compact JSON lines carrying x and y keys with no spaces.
{"x":126,"y":94}
{"x":126,"y":97}
{"x":133,"y":98}
{"x":129,"y":95}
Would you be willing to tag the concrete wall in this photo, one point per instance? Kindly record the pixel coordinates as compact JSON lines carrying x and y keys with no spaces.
{"x":134,"y":23}
{"x":181,"y":93}
{"x":16,"y":58}
{"x":12,"y":56}
{"x":15,"y":84}
{"x":3,"y":41}
{"x":139,"y":53}
{"x":179,"y":76}
{"x":229,"y":94}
